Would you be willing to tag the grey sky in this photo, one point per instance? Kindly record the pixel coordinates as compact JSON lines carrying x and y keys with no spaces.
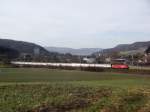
{"x":75,"y":23}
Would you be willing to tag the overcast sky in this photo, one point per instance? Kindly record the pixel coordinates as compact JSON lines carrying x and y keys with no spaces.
{"x":75,"y":23}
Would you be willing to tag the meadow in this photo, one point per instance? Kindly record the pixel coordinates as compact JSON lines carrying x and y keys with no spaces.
{"x":55,"y":90}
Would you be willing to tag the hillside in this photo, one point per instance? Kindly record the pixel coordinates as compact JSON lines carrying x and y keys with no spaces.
{"x":22,"y":47}
{"x":137,"y":47}
{"x":8,"y":48}
{"x":82,"y":51}
{"x":8,"y":53}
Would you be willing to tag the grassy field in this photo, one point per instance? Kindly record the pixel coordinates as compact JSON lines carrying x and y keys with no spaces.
{"x":49,"y":90}
{"x":140,"y":67}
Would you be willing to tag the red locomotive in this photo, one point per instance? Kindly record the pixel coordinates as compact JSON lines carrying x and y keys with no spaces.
{"x":119,"y":64}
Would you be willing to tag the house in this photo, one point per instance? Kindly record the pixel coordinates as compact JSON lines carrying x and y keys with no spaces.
{"x":89,"y":60}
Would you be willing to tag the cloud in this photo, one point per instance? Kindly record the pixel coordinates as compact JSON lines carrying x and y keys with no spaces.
{"x":75,"y":23}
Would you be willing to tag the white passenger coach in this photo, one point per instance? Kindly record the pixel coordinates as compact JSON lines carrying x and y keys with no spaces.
{"x":18,"y":63}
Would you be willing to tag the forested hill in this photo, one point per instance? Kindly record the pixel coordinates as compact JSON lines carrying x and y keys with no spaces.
{"x":26,"y":51}
{"x":8,"y":53}
{"x":22,"y":47}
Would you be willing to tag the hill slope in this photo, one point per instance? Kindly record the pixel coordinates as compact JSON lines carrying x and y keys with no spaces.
{"x":22,"y":47}
{"x":130,"y":48}
{"x":8,"y":53}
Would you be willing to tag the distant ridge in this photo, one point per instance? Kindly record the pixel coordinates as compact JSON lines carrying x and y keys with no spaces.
{"x":137,"y":47}
{"x":81,"y":51}
{"x":128,"y":47}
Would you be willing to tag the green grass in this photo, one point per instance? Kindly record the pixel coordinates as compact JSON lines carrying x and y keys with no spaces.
{"x":53,"y":90}
{"x":140,"y":67}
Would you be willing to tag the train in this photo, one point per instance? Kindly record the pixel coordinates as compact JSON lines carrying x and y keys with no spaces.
{"x":83,"y":65}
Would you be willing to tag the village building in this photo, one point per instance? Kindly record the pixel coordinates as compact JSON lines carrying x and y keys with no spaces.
{"x":89,"y":60}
